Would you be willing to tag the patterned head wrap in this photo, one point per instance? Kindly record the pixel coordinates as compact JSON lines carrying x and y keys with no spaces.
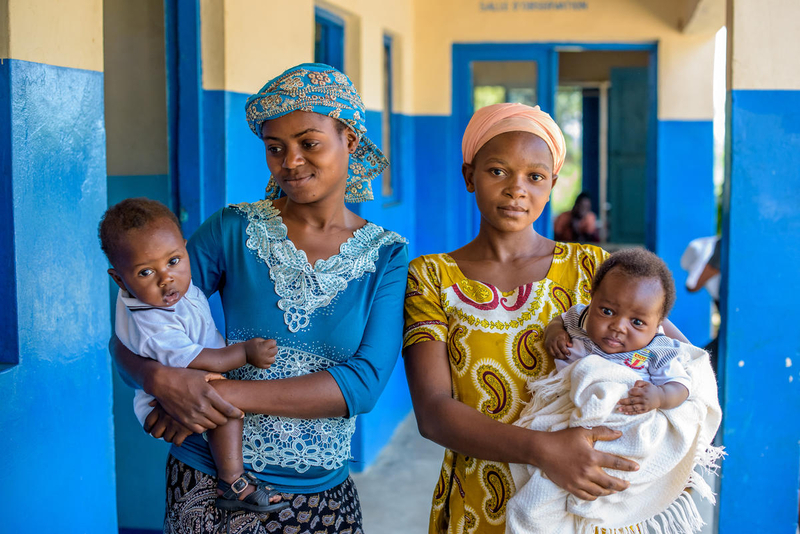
{"x":322,"y":89}
{"x":491,"y":121}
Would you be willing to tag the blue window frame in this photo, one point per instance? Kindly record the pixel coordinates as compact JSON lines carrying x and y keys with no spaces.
{"x":328,"y":39}
{"x":390,"y":185}
{"x":9,"y":331}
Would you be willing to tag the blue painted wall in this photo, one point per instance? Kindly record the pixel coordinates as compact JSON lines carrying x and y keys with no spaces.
{"x":246,"y":173}
{"x":761,"y":400}
{"x":442,"y":201}
{"x":685,"y":210}
{"x":56,"y":419}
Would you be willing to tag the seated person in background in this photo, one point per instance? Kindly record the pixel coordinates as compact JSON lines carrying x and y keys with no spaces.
{"x":578,"y":224}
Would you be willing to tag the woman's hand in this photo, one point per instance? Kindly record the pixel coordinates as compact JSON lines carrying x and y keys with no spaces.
{"x":569,"y":459}
{"x":160,"y":424}
{"x":187,"y":396}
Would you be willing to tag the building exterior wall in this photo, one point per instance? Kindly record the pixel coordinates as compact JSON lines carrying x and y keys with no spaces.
{"x":56,"y":419}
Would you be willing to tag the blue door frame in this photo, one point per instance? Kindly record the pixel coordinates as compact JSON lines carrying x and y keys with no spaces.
{"x":546,"y":55}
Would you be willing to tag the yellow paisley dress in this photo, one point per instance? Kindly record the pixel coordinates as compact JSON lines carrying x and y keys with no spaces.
{"x":495,"y":345}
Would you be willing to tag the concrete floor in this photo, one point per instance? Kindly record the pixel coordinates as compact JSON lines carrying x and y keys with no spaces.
{"x":396,"y":490}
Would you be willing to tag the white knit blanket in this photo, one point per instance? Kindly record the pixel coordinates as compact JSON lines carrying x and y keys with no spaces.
{"x":667,"y":445}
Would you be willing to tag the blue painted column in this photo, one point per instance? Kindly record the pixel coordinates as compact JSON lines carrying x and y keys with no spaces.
{"x":761,"y":224}
{"x":57,"y":430}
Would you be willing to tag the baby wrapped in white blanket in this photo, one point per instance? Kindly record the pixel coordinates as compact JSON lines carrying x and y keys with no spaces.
{"x":633,"y":291}
{"x":667,"y":445}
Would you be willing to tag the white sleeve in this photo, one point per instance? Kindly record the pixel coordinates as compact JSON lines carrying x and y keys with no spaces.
{"x":673,"y":371}
{"x":141,"y":405}
{"x":141,"y":332}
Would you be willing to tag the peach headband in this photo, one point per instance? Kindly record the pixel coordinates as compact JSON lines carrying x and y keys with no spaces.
{"x":491,"y":121}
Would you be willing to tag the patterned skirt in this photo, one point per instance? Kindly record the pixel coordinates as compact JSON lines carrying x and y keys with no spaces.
{"x":190,"y":509}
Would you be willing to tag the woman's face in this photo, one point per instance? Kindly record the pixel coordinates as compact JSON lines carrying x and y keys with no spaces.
{"x":511,"y":176}
{"x":308,"y":155}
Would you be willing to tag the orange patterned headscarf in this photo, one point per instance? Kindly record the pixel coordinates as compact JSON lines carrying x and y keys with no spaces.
{"x":491,"y":121}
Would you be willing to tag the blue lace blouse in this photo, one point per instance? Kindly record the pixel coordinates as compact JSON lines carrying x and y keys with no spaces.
{"x":343,"y":315}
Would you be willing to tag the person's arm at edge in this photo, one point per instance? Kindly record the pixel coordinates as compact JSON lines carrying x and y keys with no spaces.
{"x":705,"y":276}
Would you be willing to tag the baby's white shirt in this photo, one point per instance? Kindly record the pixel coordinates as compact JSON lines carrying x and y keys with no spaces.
{"x":173,"y":336}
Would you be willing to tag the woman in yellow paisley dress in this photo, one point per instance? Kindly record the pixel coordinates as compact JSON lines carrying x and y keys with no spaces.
{"x":474,"y":330}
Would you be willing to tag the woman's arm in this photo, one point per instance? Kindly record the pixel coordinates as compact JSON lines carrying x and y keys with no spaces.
{"x":347,"y":389}
{"x":567,"y":457}
{"x":311,"y":396}
{"x":185,"y":394}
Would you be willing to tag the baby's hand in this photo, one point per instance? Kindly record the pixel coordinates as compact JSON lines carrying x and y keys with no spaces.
{"x":557,"y":342}
{"x":642,"y":398}
{"x":260,"y":352}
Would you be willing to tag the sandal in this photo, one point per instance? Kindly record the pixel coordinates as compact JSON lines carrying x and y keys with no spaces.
{"x":258,"y":501}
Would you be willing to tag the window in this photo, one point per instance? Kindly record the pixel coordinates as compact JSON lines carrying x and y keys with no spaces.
{"x":389,"y":186}
{"x":328,"y":39}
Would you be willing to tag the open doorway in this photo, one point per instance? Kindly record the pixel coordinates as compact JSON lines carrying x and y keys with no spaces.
{"x":604,"y":98}
{"x":605,"y":104}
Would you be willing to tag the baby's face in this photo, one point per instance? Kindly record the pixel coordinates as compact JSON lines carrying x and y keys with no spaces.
{"x":625,"y":312}
{"x":154,"y":266}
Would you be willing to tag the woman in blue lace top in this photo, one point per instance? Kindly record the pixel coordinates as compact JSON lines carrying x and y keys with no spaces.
{"x":326,"y":285}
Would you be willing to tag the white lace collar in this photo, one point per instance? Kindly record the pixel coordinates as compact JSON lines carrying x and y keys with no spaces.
{"x":303,"y":288}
